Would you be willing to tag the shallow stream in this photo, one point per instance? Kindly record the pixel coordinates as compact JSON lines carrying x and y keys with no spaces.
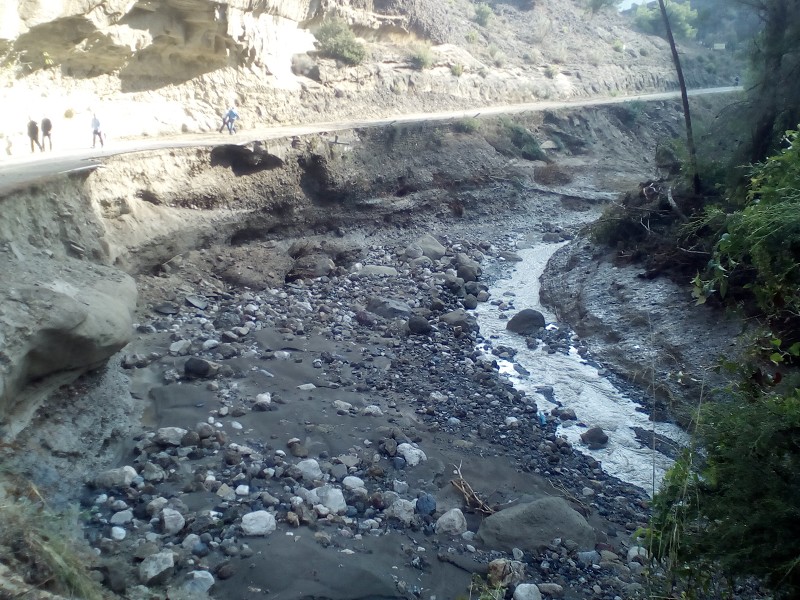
{"x":576,"y":383}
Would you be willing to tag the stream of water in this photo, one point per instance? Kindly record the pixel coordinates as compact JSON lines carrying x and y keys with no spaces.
{"x":576,"y":383}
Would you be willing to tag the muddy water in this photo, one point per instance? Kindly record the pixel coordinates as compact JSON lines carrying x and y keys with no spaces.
{"x":576,"y":383}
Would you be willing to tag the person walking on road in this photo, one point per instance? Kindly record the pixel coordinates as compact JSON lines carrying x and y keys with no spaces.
{"x":96,"y":132}
{"x":47,"y":127}
{"x":33,"y":133}
{"x":229,"y":121}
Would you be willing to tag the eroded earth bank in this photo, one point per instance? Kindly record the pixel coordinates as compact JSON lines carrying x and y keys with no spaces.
{"x":258,"y":370}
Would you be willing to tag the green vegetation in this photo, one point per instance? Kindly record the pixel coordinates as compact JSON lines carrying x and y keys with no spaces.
{"x":49,"y":547}
{"x":525,"y":142}
{"x":550,"y":71}
{"x":457,"y":69}
{"x":421,"y":57}
{"x":617,"y":45}
{"x":731,"y":512}
{"x":483,"y":14}
{"x":466,"y":125}
{"x":681,"y":15}
{"x":471,"y":37}
{"x":336,"y":40}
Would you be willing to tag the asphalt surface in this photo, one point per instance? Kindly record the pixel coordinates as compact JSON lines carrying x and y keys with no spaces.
{"x":20,"y":171}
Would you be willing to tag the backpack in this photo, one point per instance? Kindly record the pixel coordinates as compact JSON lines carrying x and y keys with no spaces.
{"x":46,"y":125}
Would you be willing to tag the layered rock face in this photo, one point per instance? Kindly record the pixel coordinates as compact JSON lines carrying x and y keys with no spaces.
{"x":156,"y":42}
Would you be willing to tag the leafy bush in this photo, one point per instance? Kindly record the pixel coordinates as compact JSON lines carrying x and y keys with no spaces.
{"x":525,"y":142}
{"x":457,"y":69}
{"x":617,"y":45}
{"x":467,"y":125}
{"x":336,"y":40}
{"x":760,"y":244}
{"x":682,"y":18}
{"x":471,"y":36}
{"x":483,"y":13}
{"x":550,"y":71}
{"x":421,"y":57}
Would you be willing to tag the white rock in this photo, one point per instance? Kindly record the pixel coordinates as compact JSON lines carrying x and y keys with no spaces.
{"x":118,"y":533}
{"x":209,"y":344}
{"x":155,"y":505}
{"x":512,"y":422}
{"x":306,"y":387}
{"x":169,"y":436}
{"x":451,"y":523}
{"x":199,"y":582}
{"x":180,"y":348}
{"x":172,"y":521}
{"x":236,"y":425}
{"x":351,"y":482}
{"x":121,"y":518}
{"x":310,"y":469}
{"x":258,"y":523}
{"x":156,"y":568}
{"x":373,"y":410}
{"x":402,"y":510}
{"x":282,"y":355}
{"x":342,"y":405}
{"x":265,"y":398}
{"x":527,"y":591}
{"x":116,"y":478}
{"x":242,"y":490}
{"x":332,"y":498}
{"x":412,"y":455}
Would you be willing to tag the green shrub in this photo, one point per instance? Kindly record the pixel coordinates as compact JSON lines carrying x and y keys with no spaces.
{"x":457,"y":69}
{"x":466,"y":125}
{"x":525,"y":142}
{"x":760,"y":244}
{"x":336,"y":40}
{"x":483,"y":13}
{"x":49,"y":547}
{"x":471,"y":37}
{"x":421,"y":57}
{"x":550,"y":71}
{"x":617,"y":45}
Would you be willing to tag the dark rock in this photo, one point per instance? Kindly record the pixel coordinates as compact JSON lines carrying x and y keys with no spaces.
{"x":166,"y":308}
{"x":470,"y":302}
{"x":526,"y":322}
{"x":199,"y":367}
{"x":197,"y":302}
{"x":426,"y":505}
{"x":419,"y":325}
{"x":594,"y":438}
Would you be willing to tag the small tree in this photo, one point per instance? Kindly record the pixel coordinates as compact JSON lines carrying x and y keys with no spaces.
{"x":336,"y":40}
{"x":483,"y":13}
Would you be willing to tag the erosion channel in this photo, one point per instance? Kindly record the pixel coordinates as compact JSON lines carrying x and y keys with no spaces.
{"x":309,"y":391}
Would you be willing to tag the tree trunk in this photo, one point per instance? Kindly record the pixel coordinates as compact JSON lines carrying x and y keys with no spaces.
{"x":685,"y":98}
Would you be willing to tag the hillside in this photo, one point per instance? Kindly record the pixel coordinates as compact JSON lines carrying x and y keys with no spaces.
{"x":157,"y":67}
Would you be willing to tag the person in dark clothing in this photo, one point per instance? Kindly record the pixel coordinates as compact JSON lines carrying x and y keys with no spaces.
{"x":96,"y":132}
{"x":47,"y":127}
{"x":33,"y":133}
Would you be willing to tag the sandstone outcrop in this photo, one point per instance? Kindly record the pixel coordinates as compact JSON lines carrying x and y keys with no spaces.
{"x":57,"y":317}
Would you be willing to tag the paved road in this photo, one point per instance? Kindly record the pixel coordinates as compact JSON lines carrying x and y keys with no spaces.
{"x":16,"y":172}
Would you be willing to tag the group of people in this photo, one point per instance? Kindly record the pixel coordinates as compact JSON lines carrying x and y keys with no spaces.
{"x":47,"y":130}
{"x":228,"y":121}
{"x":33,"y":133}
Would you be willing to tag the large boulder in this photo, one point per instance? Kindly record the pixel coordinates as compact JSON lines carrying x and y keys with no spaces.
{"x":60,"y":317}
{"x":388,"y":308}
{"x":532,"y":525}
{"x":526,"y":322}
{"x":311,"y":266}
{"x":430,"y":247}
